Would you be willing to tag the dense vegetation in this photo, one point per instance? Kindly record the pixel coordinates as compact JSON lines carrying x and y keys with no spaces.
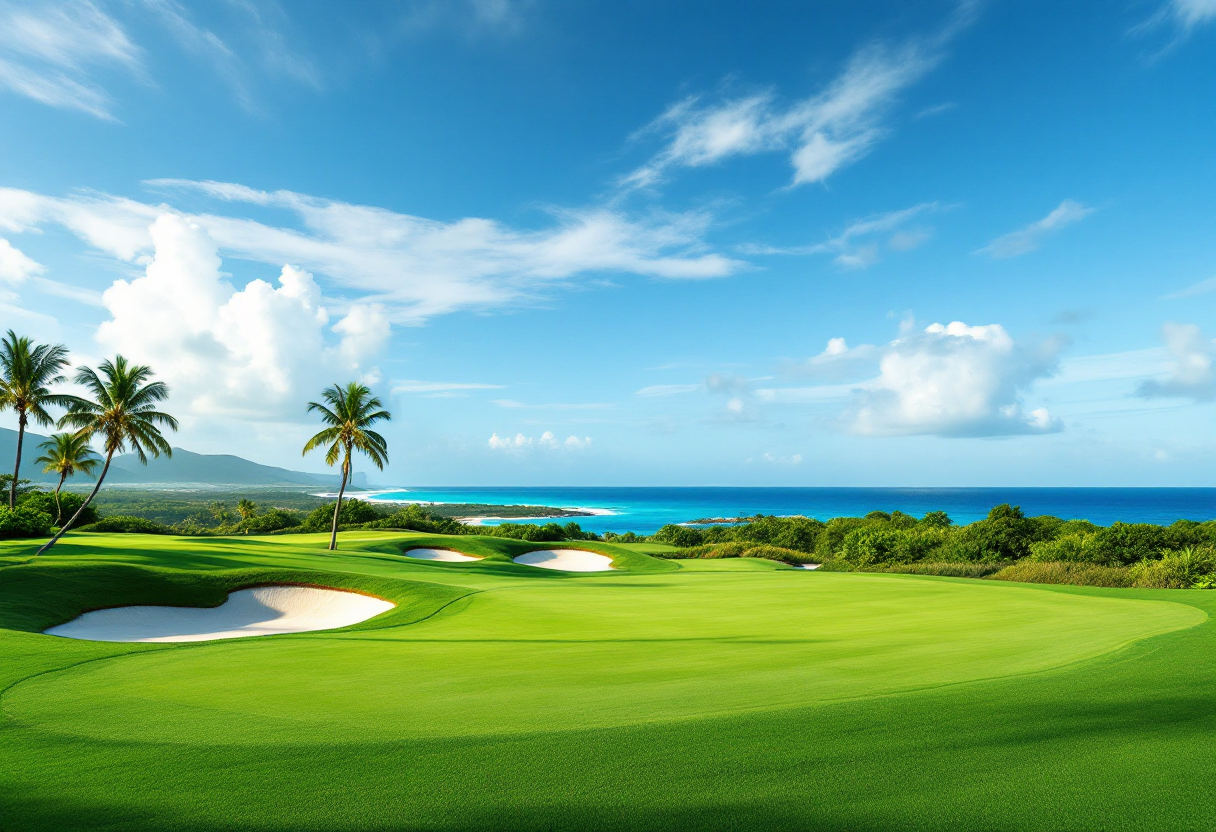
{"x":1006,"y":545}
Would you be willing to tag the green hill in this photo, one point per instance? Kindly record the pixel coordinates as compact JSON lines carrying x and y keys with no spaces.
{"x":184,"y":467}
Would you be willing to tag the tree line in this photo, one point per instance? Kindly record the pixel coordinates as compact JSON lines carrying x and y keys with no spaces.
{"x":120,"y":411}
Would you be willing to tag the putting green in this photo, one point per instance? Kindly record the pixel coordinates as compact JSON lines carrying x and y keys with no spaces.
{"x":557,"y":656}
{"x":731,"y":694}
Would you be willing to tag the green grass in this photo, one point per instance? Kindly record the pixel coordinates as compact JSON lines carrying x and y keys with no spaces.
{"x":704,"y":694}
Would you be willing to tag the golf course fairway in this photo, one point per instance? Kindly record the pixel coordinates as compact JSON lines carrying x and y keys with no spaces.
{"x":712,"y":694}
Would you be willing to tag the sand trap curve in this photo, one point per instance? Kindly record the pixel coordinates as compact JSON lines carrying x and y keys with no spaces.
{"x":567,"y":560}
{"x":443,"y":555}
{"x":262,"y":611}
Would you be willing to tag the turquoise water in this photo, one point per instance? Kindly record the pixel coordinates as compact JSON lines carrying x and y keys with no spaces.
{"x":644,"y":510}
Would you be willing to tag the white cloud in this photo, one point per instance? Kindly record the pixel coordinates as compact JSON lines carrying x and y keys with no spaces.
{"x":507,"y":443}
{"x":409,"y":386}
{"x":1200,"y":288}
{"x":1028,"y":239}
{"x":260,"y":352}
{"x":1183,"y":16}
{"x":856,"y":247}
{"x":1190,"y":374}
{"x":413,"y":266}
{"x":822,"y":133}
{"x":656,"y":390}
{"x":774,"y":459}
{"x":47,"y":50}
{"x":15,"y":266}
{"x":955,"y":380}
{"x":547,"y":440}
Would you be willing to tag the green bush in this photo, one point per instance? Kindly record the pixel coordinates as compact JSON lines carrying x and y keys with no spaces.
{"x":120,"y":523}
{"x":777,"y":553}
{"x":865,"y":546}
{"x":681,"y":536}
{"x":274,"y":520}
{"x":354,"y":512}
{"x":1078,"y":574}
{"x":1175,"y":570}
{"x":24,"y":521}
{"x":949,"y":570}
{"x":44,"y":501}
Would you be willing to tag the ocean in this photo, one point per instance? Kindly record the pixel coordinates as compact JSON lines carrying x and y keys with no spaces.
{"x":644,"y":510}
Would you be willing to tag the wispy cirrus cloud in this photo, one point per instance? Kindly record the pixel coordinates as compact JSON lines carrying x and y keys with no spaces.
{"x":1028,"y":239}
{"x":48,"y":52}
{"x":415,"y":267}
{"x":821,"y":133}
{"x":859,"y":244}
{"x":1182,"y":17}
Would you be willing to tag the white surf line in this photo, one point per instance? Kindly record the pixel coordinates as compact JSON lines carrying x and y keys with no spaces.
{"x":566,"y":560}
{"x":261,"y":611}
{"x":441,"y":555}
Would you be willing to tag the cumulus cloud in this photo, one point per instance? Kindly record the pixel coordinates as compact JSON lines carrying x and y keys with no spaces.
{"x":414,"y":267}
{"x":258,"y":352}
{"x":821,"y":133}
{"x":857,"y":246}
{"x":48,"y":49}
{"x":1191,"y":373}
{"x":508,"y":443}
{"x":548,"y":440}
{"x":955,"y":380}
{"x":1028,"y":239}
{"x":15,"y":266}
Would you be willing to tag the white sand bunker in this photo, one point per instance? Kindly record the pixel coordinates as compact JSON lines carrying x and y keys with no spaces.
{"x":444,"y":555}
{"x":567,"y":560}
{"x":808,"y":565}
{"x":263,"y":611}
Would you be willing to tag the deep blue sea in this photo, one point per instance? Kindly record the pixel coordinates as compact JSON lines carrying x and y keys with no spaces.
{"x":644,"y":510}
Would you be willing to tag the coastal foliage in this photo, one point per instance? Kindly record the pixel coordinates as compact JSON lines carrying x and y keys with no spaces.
{"x":1007,"y":545}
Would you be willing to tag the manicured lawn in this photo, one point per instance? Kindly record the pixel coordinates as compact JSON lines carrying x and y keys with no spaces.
{"x":729,"y":694}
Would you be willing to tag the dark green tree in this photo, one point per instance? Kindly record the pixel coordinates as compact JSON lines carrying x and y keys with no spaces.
{"x":26,"y":373}
{"x":121,"y":412}
{"x":349,"y":412}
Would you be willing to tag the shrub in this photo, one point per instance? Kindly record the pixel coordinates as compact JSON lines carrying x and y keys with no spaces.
{"x":938,"y":519}
{"x":44,"y":501}
{"x":1079,"y":574}
{"x":272,"y":521}
{"x":1076,"y":548}
{"x":949,"y":570}
{"x":121,"y":523}
{"x":549,"y":532}
{"x":24,"y":521}
{"x":876,"y":545}
{"x":777,"y":553}
{"x":353,"y":513}
{"x":627,"y":537}
{"x":1175,"y":570}
{"x":681,"y":536}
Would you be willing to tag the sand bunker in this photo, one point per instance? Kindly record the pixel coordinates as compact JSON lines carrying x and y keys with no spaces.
{"x":567,"y":560}
{"x":808,"y":566}
{"x":263,"y":611}
{"x":445,"y":555}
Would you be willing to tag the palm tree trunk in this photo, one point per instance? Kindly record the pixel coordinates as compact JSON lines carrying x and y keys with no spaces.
{"x":58,"y":507}
{"x":12,"y":489}
{"x":333,"y":535}
{"x":105,"y":469}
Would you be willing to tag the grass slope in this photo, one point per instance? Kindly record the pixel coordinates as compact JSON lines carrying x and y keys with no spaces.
{"x":712,"y":694}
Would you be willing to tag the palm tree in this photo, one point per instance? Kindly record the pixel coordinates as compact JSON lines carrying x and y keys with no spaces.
{"x":26,"y":372}
{"x":350,"y":412}
{"x":121,"y":413}
{"x":67,"y":454}
{"x":246,"y":508}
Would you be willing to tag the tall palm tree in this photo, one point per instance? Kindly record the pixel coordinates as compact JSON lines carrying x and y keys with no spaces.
{"x":67,"y":454}
{"x":350,"y":412}
{"x":121,"y":413}
{"x":26,"y":373}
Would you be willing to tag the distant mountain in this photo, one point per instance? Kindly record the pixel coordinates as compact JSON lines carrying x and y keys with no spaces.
{"x":183,"y":467}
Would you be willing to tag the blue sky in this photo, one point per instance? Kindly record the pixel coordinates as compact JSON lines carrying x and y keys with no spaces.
{"x":663,"y":243}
